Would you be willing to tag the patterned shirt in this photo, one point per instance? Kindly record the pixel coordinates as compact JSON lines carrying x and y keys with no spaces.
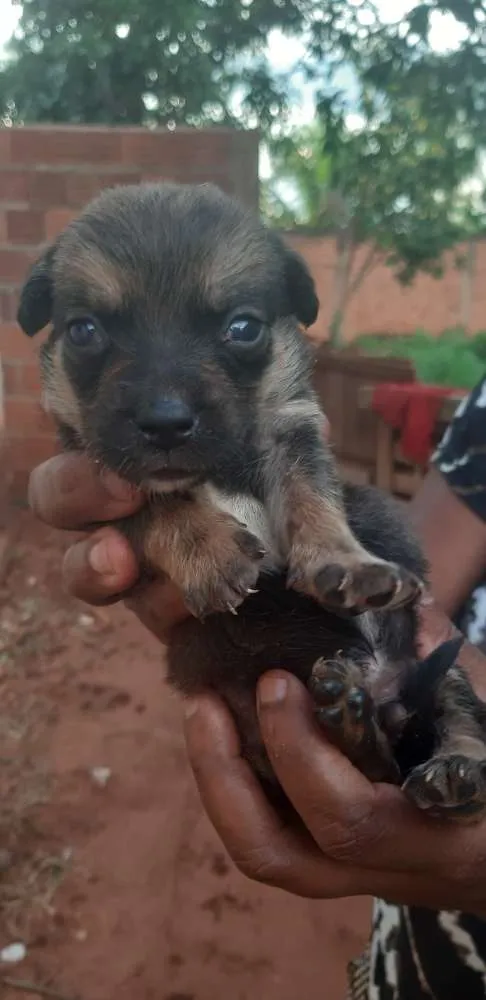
{"x":419,"y":954}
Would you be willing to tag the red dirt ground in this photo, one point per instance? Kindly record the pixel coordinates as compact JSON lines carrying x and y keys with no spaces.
{"x":124,"y":891}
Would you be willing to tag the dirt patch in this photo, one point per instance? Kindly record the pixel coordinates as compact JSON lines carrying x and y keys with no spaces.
{"x":110,"y":873}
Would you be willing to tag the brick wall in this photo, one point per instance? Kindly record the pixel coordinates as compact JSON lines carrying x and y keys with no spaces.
{"x":46,"y":175}
{"x":383,"y":305}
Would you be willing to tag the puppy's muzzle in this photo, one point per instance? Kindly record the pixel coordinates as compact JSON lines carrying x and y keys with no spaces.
{"x":166,"y":422}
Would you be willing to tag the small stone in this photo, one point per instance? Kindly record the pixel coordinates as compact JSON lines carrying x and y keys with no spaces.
{"x":101,"y":776}
{"x":13,"y":953}
{"x":86,"y":621}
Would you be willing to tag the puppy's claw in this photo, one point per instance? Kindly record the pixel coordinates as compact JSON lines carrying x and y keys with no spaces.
{"x":345,"y":581}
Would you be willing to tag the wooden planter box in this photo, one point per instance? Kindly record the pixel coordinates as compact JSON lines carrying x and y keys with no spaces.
{"x":339,"y":378}
{"x":366,"y":448}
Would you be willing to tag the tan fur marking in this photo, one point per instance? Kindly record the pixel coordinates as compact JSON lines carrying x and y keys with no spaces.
{"x":318,"y":523}
{"x":58,"y":395}
{"x":207,"y":553}
{"x":102,"y":282}
{"x":285,"y":370}
{"x":252,"y":514}
{"x":297,"y":409}
{"x":319,"y":535}
{"x":244,"y":254}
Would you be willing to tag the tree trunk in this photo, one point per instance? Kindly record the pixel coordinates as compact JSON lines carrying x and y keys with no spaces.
{"x":467,"y":282}
{"x":343,"y":247}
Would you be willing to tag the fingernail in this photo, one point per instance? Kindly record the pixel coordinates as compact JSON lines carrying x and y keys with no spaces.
{"x":272,"y":690}
{"x":191,"y":706}
{"x":100,"y":560}
{"x":119,"y":489}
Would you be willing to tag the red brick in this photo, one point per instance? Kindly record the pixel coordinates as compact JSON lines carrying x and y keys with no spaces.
{"x":26,"y":226}
{"x":30,"y":381}
{"x":82,"y":187}
{"x":22,"y":379}
{"x":47,"y":188}
{"x":145,"y":148}
{"x":162,"y":177}
{"x":3,"y":226}
{"x":5,"y":145}
{"x":193,"y":174}
{"x":175,"y":149}
{"x":65,"y":145}
{"x":15,"y":346}
{"x":8,"y":306}
{"x":56,"y":220}
{"x":10,"y":375}
{"x":26,"y":415}
{"x":14,"y":186}
{"x":14,"y":265}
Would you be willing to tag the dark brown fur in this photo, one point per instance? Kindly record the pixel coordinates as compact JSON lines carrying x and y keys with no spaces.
{"x":172,"y":303}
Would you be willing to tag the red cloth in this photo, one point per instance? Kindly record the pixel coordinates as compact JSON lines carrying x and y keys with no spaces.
{"x":413,"y":409}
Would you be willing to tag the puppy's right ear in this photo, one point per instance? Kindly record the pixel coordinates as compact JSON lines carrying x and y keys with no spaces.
{"x":36,"y":297}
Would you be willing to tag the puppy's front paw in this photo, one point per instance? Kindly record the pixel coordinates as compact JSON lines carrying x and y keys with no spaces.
{"x":222,"y":571}
{"x":353,"y":583}
{"x":450,"y":787}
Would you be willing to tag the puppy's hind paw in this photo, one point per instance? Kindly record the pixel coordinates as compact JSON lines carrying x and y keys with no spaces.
{"x":450,"y":787}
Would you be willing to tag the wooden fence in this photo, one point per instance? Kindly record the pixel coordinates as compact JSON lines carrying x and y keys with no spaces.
{"x":366,"y":449}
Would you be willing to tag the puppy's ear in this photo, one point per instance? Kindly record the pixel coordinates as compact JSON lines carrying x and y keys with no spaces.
{"x":36,"y":296}
{"x":299,"y":283}
{"x":301,"y":288}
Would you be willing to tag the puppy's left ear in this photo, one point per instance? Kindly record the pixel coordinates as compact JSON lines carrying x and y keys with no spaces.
{"x":301,"y":288}
{"x":36,"y":297}
{"x":299,"y":283}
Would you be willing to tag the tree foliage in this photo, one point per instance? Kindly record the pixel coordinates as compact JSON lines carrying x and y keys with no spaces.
{"x":392,"y":190}
{"x":296,"y":193}
{"x":183,"y":61}
{"x":145,"y":61}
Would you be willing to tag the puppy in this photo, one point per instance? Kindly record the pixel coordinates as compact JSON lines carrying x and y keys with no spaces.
{"x":176,"y":358}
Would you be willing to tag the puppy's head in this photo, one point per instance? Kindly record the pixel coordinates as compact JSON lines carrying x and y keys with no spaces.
{"x":170,"y":307}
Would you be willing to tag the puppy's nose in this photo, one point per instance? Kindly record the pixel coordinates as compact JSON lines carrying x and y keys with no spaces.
{"x":166,"y":422}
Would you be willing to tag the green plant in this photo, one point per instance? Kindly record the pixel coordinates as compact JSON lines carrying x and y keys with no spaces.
{"x":452,"y":359}
{"x":479,"y":344}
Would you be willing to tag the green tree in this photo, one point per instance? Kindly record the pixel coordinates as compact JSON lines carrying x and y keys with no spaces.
{"x":297,"y":189}
{"x":186,"y":61}
{"x":392,"y":191}
{"x":145,"y":61}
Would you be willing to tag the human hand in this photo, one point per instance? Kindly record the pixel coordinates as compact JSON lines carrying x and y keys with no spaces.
{"x":355,"y":838}
{"x":69,"y":492}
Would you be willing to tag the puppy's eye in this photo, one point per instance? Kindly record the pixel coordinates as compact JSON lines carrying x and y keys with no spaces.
{"x":245,"y":331}
{"x":84,"y":332}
